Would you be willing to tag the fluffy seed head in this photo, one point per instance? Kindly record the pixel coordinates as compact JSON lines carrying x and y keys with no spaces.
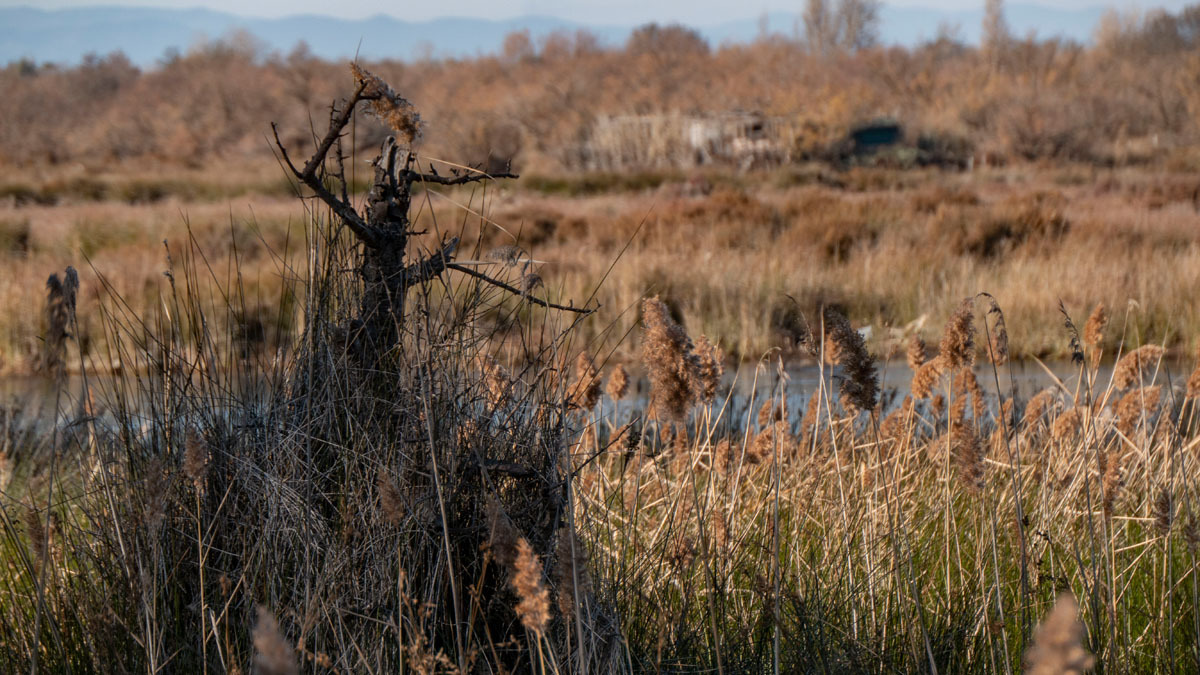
{"x":860,"y":389}
{"x":585,"y":392}
{"x":573,"y":580}
{"x":618,"y":383}
{"x":998,"y":347}
{"x":1093,"y":330}
{"x":917,"y":353}
{"x":272,"y":653}
{"x":1136,"y":365}
{"x":1136,"y":405}
{"x":958,"y":339}
{"x":526,"y":578}
{"x":391,"y":108}
{"x":711,"y":363}
{"x":195,"y":459}
{"x":1057,"y":647}
{"x":1164,"y":510}
{"x":672,"y":366}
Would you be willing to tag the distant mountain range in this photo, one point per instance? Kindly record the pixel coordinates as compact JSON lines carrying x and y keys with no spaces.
{"x":146,"y":35}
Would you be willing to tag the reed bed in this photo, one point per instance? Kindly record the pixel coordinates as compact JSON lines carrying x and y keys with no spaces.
{"x":492,"y":492}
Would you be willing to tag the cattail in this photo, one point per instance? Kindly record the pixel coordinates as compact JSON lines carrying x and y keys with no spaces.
{"x":391,"y":108}
{"x":573,"y":580}
{"x":1067,"y":425}
{"x":998,"y":346}
{"x":711,"y":363}
{"x":390,"y":499}
{"x":670,"y":362}
{"x":1163,"y":511}
{"x":533,"y":606}
{"x":618,"y":383}
{"x":1136,"y":364}
{"x":272,"y":653}
{"x":1039,"y":404}
{"x":916,"y":354}
{"x":1057,"y":647}
{"x":586,"y":391}
{"x":968,"y":453}
{"x":195,"y":460}
{"x":957,"y":347}
{"x":860,"y":389}
{"x":1135,"y":405}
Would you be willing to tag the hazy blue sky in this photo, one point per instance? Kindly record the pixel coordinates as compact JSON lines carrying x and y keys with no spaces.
{"x":696,"y":12}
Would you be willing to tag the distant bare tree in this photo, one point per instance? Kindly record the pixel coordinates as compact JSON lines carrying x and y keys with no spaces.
{"x":858,"y":23}
{"x":820,"y":26}
{"x":995,"y":28}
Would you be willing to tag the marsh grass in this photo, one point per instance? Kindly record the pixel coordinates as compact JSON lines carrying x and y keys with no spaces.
{"x":469,"y":501}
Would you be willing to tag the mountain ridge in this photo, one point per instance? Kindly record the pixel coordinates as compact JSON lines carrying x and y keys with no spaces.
{"x":147,"y":35}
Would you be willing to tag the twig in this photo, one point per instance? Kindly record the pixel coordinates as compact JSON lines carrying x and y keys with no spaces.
{"x":418,"y":177}
{"x":516,"y":291}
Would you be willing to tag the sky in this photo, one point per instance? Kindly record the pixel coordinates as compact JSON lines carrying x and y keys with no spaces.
{"x":625,"y":12}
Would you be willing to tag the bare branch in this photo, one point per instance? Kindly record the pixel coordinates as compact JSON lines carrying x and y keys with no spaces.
{"x":462,"y":179}
{"x":432,"y":266}
{"x":342,"y":208}
{"x":335,"y":130}
{"x":516,"y":291}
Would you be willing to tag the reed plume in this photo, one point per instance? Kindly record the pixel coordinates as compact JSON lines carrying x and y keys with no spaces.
{"x":1039,"y":404}
{"x":390,"y":107}
{"x":585,"y":392}
{"x":916,"y":354}
{"x":533,"y":606}
{"x":672,"y":366}
{"x":1163,"y":511}
{"x":391,"y":501}
{"x":59,"y":312}
{"x":1135,"y":365}
{"x":571,"y":567}
{"x":618,"y":383}
{"x":1067,"y":425}
{"x":1057,"y":647}
{"x":860,"y":388}
{"x":272,"y":653}
{"x":711,"y":364}
{"x":957,"y":348}
{"x":1093,"y":330}
{"x":998,"y":344}
{"x":195,"y":460}
{"x":968,"y":454}
{"x":926,"y":378}
{"x":1135,"y":405}
{"x":1112,"y":478}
